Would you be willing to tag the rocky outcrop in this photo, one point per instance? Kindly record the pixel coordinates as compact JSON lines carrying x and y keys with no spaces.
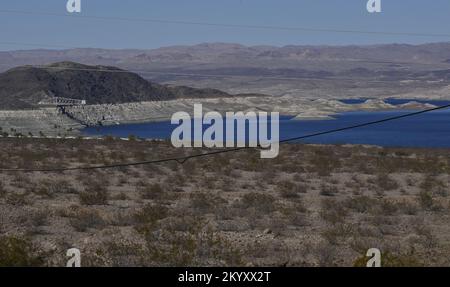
{"x":24,"y":87}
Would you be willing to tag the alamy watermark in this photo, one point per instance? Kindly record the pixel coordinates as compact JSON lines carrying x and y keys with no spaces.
{"x":74,"y":256}
{"x":229,"y":132}
{"x":375,"y":257}
{"x":374,"y":6}
{"x":73,"y":6}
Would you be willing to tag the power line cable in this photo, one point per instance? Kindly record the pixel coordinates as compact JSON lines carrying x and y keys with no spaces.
{"x":183,"y":159}
{"x":225,"y":25}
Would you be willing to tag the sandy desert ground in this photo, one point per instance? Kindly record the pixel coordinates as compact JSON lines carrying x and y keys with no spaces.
{"x":312,"y":206}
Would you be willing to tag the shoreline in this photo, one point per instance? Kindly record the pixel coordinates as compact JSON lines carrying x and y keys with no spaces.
{"x":49,"y":122}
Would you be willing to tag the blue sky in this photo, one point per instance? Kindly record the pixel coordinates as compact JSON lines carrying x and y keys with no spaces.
{"x":415,"y":16}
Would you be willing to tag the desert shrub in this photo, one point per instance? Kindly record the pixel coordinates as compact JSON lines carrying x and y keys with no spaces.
{"x":83,"y":219}
{"x":361,"y":204}
{"x":259,"y":201}
{"x":121,"y":253}
{"x":290,"y":190}
{"x":94,"y":195}
{"x":39,"y":218}
{"x":232,"y":226}
{"x":153,"y":191}
{"x":18,"y":199}
{"x":203,"y":202}
{"x":50,"y":188}
{"x":122,"y":180}
{"x":3,"y":190}
{"x":225,"y":212}
{"x":432,"y":184}
{"x":252,"y":163}
{"x":383,"y":221}
{"x":425,"y":200}
{"x":200,"y":202}
{"x":43,"y":189}
{"x":429,"y":240}
{"x":299,"y":206}
{"x":332,"y":211}
{"x":386,"y":183}
{"x":301,"y":188}
{"x":401,"y":153}
{"x":198,"y":245}
{"x":297,"y":219}
{"x":122,"y":218}
{"x":388,"y":207}
{"x":176,"y":181}
{"x":322,"y":166}
{"x":121,"y":196}
{"x":442,"y":191}
{"x":325,"y":254}
{"x":337,"y":233}
{"x":18,"y":252}
{"x":408,"y":208}
{"x":286,"y":189}
{"x":324,"y":161}
{"x":328,"y":190}
{"x":428,"y":183}
{"x":151,"y":214}
{"x":20,"y":181}
{"x":296,"y":215}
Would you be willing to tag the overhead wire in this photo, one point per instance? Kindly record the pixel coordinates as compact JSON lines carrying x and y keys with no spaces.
{"x":183,"y":159}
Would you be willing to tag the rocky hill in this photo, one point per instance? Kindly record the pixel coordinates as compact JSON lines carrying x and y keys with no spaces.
{"x":24,"y":87}
{"x":373,"y":71}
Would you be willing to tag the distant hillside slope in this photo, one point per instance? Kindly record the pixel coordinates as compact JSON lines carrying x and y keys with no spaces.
{"x":219,"y":65}
{"x":24,"y":87}
{"x":234,"y":55}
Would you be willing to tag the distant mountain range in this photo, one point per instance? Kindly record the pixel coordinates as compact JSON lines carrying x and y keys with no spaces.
{"x":313,"y":71}
{"x":24,"y":87}
{"x":235,"y":53}
{"x":238,"y":60}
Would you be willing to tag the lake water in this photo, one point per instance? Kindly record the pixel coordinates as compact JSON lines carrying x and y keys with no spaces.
{"x":426,"y":130}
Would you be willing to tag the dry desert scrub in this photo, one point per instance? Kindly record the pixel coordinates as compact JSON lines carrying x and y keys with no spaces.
{"x":311,"y":206}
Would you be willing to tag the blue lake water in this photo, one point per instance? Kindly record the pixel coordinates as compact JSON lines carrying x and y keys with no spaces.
{"x":425,"y":130}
